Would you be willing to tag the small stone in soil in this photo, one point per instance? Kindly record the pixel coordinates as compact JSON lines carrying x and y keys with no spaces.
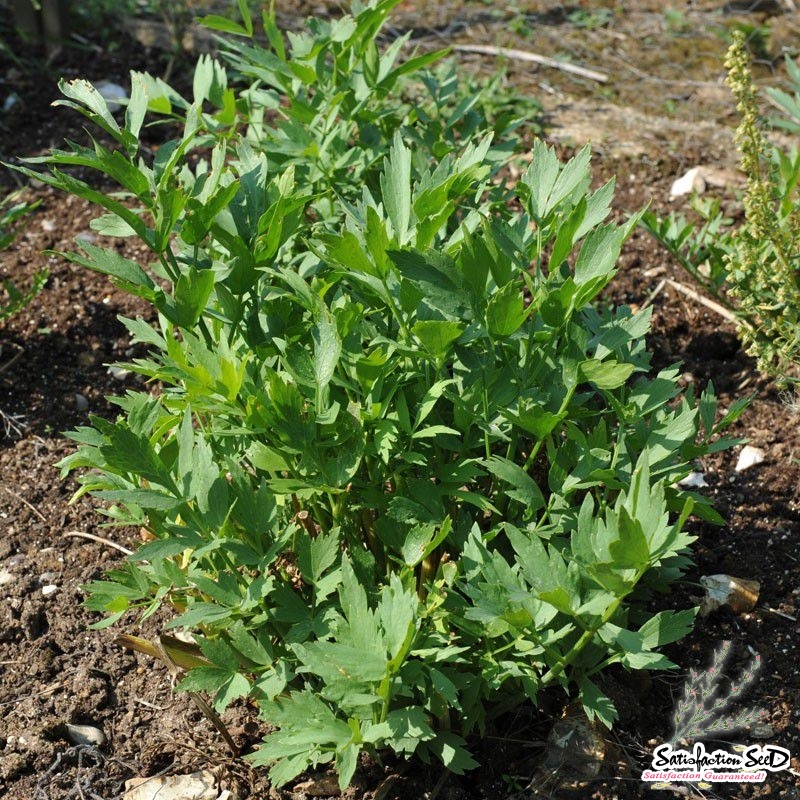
{"x":198,"y":786}
{"x":762,"y":730}
{"x":118,"y":372}
{"x":694,"y":480}
{"x":691,"y":181}
{"x":85,"y":734}
{"x":749,"y":457}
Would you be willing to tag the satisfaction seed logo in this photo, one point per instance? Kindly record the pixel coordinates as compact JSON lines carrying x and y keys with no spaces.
{"x":705,"y":710}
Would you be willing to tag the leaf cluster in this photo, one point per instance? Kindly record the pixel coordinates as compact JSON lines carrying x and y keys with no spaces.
{"x":405,"y":471}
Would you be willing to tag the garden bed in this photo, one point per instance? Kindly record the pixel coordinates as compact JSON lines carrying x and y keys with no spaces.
{"x":54,"y":671}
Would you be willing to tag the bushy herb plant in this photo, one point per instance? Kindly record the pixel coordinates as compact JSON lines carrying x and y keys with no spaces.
{"x":404,"y":472}
{"x":752,"y":268}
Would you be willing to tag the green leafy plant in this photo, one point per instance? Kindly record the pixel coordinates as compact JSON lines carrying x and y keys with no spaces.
{"x":763,"y":261}
{"x":591,"y":20}
{"x":14,"y":299}
{"x":700,"y":245}
{"x":404,"y":474}
{"x":12,"y":211}
{"x":676,"y":21}
{"x":752,"y":267}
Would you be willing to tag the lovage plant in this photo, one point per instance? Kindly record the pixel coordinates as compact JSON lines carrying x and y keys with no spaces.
{"x":404,"y":471}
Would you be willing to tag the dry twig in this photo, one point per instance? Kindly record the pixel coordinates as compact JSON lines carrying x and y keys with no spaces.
{"x":525,"y":55}
{"x":655,"y":293}
{"x":26,"y":503}
{"x":16,"y":357}
{"x":100,"y":539}
{"x":689,"y":292}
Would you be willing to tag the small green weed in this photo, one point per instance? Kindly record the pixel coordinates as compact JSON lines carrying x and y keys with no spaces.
{"x":591,"y":19}
{"x":676,"y":21}
{"x":12,"y":213}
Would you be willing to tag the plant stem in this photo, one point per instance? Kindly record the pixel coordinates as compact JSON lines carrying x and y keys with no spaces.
{"x":589,"y":634}
{"x":538,"y":446}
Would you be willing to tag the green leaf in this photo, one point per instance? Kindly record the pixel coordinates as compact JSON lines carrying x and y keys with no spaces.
{"x":256,"y":649}
{"x":335,"y":662}
{"x":129,"y":452}
{"x":737,"y":408}
{"x":235,"y":687}
{"x":525,"y":490}
{"x":141,"y":498}
{"x":361,"y":621}
{"x":327,"y":350}
{"x":219,"y":653}
{"x":396,"y":188}
{"x":68,"y":183}
{"x":346,"y":249}
{"x":225,"y":25}
{"x":137,"y":107}
{"x":247,"y":20}
{"x":204,"y":679}
{"x":200,"y":613}
{"x":89,"y":98}
{"x":200,"y":216}
{"x":436,"y":336}
{"x":399,"y":611}
{"x":422,"y":540}
{"x":316,"y":555}
{"x":414,"y":64}
{"x":550,"y":183}
{"x":346,"y":762}
{"x":127,"y":274}
{"x":506,"y":311}
{"x":437,"y":278}
{"x":429,"y":401}
{"x":631,"y":549}
{"x":609,"y":374}
{"x":226,"y":685}
{"x":667,"y":627}
{"x":567,"y":235}
{"x":599,"y":254}
{"x":596,"y":704}
{"x":407,"y":727}
{"x":534,"y":419}
{"x":192,"y":291}
{"x":451,"y":750}
{"x":273,"y":33}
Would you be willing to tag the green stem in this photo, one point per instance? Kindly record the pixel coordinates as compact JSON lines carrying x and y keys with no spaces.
{"x":538,"y":446}
{"x":588,"y":635}
{"x":318,"y":515}
{"x":396,"y":311}
{"x":511,"y":450}
{"x":392,"y":668}
{"x":173,"y":272}
{"x":486,"y":441}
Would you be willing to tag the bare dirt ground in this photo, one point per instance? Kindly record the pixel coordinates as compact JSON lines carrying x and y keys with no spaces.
{"x":662,"y":109}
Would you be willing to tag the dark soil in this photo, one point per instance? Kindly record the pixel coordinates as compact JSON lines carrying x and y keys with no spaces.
{"x":54,"y":670}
